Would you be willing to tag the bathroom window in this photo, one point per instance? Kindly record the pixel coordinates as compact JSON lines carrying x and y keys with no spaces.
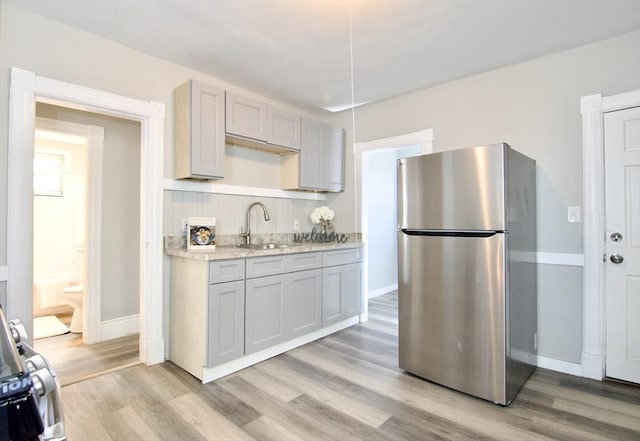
{"x":48,"y":169}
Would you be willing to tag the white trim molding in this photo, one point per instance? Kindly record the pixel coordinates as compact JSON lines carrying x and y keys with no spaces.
{"x":560,"y":259}
{"x":26,"y":89}
{"x":241,"y":190}
{"x":565,"y":367}
{"x":423,"y":138}
{"x":593,"y":108}
{"x":382,"y":291}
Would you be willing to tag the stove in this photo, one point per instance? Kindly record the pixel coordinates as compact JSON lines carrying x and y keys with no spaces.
{"x":30,"y":398}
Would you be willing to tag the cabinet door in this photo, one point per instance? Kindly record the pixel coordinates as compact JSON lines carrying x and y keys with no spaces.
{"x":225,"y":333}
{"x":352,"y":278}
{"x":246,"y":117}
{"x":312,"y":155}
{"x":199,"y":131}
{"x":265,"y":312}
{"x":341,"y":292}
{"x":333,"y":302}
{"x":334,"y":167}
{"x":304,"y":302}
{"x":283,"y":128}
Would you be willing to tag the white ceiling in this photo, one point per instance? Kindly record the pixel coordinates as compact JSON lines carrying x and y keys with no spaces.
{"x":299,"y":51}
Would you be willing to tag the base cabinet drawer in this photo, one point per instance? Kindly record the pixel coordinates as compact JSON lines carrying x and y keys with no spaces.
{"x":225,"y":325}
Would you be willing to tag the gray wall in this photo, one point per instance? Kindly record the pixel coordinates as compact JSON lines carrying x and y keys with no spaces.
{"x":120,"y":207}
{"x":382,"y":217}
{"x":535,"y":107}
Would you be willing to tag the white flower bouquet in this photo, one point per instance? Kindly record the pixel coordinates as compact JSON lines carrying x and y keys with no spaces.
{"x":323,"y":216}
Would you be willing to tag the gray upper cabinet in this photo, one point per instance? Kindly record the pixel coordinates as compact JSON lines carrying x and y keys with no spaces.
{"x":246,"y":117}
{"x":253,"y":123}
{"x":319,"y":166}
{"x":283,"y":128}
{"x":199,"y":121}
{"x":334,"y":163}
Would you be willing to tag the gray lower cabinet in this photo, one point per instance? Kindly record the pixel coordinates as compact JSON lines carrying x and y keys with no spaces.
{"x":225,"y":309}
{"x":283,"y":305}
{"x":304,"y":303}
{"x":264,"y":312}
{"x":341,"y":285}
{"x":225,"y":327}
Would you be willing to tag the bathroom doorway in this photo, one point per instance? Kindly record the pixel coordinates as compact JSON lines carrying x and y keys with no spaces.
{"x":61,"y":213}
{"x":85,"y":233}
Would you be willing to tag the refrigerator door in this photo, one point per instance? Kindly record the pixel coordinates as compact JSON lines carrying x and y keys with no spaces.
{"x":453,"y":190}
{"x":452,"y":298}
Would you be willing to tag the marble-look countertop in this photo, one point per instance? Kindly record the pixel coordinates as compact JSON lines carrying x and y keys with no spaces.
{"x":233,"y":252}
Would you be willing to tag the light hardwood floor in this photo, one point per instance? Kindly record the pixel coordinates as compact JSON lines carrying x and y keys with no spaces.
{"x":74,"y":361}
{"x":346,"y":386}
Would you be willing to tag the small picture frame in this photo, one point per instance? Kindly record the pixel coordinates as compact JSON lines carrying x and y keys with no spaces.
{"x":201,"y":234}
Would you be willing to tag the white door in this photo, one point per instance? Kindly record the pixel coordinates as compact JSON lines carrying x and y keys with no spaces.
{"x":622,"y":193}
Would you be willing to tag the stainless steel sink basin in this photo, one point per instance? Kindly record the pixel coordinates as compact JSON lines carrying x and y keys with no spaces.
{"x":262,"y":246}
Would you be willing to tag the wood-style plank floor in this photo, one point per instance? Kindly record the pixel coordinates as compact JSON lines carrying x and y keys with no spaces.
{"x":346,"y":386}
{"x":74,"y":361}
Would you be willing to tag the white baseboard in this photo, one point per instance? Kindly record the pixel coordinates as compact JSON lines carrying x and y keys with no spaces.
{"x":120,"y":327}
{"x":383,"y":290}
{"x":565,"y":367}
{"x":209,"y":374}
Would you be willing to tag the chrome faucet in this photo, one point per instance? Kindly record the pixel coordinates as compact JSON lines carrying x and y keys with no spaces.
{"x":247,"y":235}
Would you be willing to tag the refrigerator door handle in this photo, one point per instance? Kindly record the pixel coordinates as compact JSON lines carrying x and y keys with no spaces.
{"x":446,"y":233}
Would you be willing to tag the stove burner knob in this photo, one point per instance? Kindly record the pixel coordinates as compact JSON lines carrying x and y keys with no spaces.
{"x":18,"y":331}
{"x":43,"y":381}
{"x":36,"y":362}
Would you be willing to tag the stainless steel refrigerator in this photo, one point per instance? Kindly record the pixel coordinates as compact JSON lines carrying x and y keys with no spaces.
{"x":466,"y":269}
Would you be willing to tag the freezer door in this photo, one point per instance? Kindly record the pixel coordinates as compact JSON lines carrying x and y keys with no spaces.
{"x":454,"y":190}
{"x":452,"y":297}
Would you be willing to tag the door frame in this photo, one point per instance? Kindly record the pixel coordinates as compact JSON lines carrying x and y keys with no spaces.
{"x":425,"y":139}
{"x":27,"y":88}
{"x":593,"y":108}
{"x":91,"y":317}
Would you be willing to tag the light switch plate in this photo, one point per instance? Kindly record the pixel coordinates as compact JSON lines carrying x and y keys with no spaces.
{"x":573,"y":214}
{"x":296,"y":225}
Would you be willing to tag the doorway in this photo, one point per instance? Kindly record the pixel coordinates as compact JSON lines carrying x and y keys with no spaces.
{"x":622,"y":244}
{"x":593,"y":109}
{"x":26,"y":90}
{"x":67,"y":233}
{"x":413,"y":143}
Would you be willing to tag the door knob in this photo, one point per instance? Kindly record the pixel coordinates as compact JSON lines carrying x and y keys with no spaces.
{"x":616,"y":258}
{"x":616,"y":237}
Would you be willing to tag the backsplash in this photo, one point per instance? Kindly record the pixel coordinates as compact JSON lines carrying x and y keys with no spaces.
{"x":230,"y":212}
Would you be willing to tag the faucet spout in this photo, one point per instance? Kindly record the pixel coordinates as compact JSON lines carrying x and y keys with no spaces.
{"x":265,"y":212}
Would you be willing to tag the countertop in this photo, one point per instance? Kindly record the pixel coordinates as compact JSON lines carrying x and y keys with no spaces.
{"x":233,"y":252}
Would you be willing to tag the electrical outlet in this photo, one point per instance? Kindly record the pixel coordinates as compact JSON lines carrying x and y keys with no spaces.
{"x":296,"y":225}
{"x":184,"y":225}
{"x":573,"y":214}
{"x":535,"y":341}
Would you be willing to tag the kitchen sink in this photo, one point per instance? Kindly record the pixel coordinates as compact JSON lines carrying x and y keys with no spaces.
{"x":262,"y":246}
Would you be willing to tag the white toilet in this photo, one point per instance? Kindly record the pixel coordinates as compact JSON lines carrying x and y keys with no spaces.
{"x":74,"y":297}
